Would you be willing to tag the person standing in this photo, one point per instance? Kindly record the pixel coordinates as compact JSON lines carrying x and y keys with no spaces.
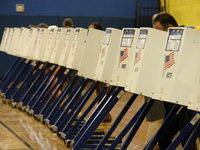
{"x":162,"y":21}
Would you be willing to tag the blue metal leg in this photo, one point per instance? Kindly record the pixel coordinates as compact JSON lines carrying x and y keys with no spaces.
{"x":137,"y":124}
{"x":171,"y":116}
{"x":192,"y":139}
{"x":69,"y":134}
{"x":58,"y":116}
{"x":94,"y":113}
{"x":99,"y":118}
{"x":25,"y":85}
{"x":74,"y":113}
{"x":32,"y":89}
{"x":50,"y":113}
{"x":15,"y":72}
{"x":40,"y":88}
{"x":10,"y":71}
{"x":131,"y":123}
{"x":117,"y":121}
{"x":19,"y":78}
{"x":46,"y":92}
{"x":184,"y":132}
{"x":61,"y":121}
{"x":58,"y":87}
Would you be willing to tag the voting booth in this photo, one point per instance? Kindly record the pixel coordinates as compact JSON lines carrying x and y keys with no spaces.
{"x":40,"y":44}
{"x":12,"y":41}
{"x":91,"y":53}
{"x":143,"y":72}
{"x":30,"y":42}
{"x":77,"y":48}
{"x":20,"y":49}
{"x":180,"y":65}
{"x":58,"y":45}
{"x":194,"y":99}
{"x":66,"y":47}
{"x":4,"y":38}
{"x":107,"y":55}
{"x":49,"y":44}
{"x":8,"y":38}
{"x":124,"y":52}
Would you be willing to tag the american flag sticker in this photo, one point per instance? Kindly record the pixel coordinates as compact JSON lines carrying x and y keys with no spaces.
{"x":169,"y":60}
{"x":123,"y":55}
{"x":137,"y":57}
{"x":103,"y":52}
{"x":73,"y":46}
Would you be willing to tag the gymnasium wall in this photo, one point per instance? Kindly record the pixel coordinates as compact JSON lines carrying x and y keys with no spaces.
{"x":186,"y":12}
{"x":117,"y":8}
{"x":112,"y":13}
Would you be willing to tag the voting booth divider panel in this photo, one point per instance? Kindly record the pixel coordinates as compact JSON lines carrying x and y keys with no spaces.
{"x":130,"y":59}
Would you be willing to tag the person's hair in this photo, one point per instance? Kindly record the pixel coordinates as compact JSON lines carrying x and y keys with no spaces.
{"x":97,"y":25}
{"x":32,"y":26}
{"x":42,"y":25}
{"x":165,"y":19}
{"x":68,"y":22}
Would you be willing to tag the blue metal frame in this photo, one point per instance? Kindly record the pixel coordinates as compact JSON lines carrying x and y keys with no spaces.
{"x":10,"y":71}
{"x":77,"y":108}
{"x":49,"y":103}
{"x":105,"y":109}
{"x":25,"y":85}
{"x":13,"y":75}
{"x":32,"y":89}
{"x":95,"y":112}
{"x":40,"y":88}
{"x":170,"y":117}
{"x":45,"y":93}
{"x":117,"y":121}
{"x":61,"y":121}
{"x":49,"y":114}
{"x":194,"y":135}
{"x":19,"y":78}
{"x":190,"y":125}
{"x":78,"y":124}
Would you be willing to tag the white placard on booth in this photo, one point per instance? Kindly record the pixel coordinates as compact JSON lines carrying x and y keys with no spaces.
{"x":180,"y":65}
{"x":107,"y":55}
{"x":40,"y":45}
{"x":20,"y":49}
{"x":58,"y":45}
{"x":91,"y":53}
{"x":124,"y":52}
{"x":30,"y":42}
{"x":66,"y":47}
{"x":14,"y":40}
{"x":77,"y":48}
{"x":4,"y":38}
{"x":145,"y":61}
{"x":50,"y":43}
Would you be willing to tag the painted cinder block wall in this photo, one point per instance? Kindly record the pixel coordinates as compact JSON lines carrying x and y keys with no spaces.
{"x":186,"y":12}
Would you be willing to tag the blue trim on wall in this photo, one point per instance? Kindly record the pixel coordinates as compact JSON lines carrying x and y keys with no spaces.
{"x":111,"y":8}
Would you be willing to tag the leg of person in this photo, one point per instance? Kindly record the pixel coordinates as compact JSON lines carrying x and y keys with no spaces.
{"x":171,"y":131}
{"x":154,"y":118}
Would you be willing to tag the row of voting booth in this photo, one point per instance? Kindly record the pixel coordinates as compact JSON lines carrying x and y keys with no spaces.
{"x":160,"y":65}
